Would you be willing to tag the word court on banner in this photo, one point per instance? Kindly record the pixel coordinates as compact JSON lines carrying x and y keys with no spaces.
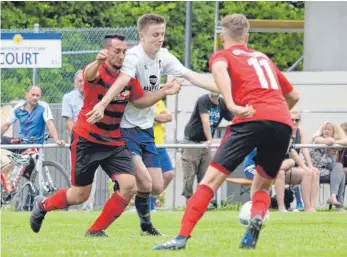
{"x":30,"y":50}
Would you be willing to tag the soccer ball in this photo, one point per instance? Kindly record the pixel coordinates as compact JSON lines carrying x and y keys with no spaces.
{"x":245,"y":214}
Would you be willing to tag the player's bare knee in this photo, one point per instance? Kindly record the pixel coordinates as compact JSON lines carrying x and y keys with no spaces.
{"x":144,"y":185}
{"x":157,"y":185}
{"x":82,"y":196}
{"x":128,"y":190}
{"x":168,"y":176}
{"x":213,"y":178}
{"x":266,"y":186}
{"x":157,"y":189}
{"x":78,"y":195}
{"x":144,"y":182}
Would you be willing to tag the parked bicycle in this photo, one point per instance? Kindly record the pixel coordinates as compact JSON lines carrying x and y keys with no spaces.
{"x":54,"y":176}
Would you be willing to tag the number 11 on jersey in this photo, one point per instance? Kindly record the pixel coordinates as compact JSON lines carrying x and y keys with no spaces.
{"x":260,"y":66}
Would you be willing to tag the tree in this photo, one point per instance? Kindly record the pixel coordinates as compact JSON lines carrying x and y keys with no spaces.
{"x":284,"y":48}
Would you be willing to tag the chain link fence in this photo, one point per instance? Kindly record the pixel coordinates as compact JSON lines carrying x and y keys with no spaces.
{"x":79,"y":47}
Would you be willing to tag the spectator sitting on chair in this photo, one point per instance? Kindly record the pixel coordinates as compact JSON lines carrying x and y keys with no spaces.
{"x":325,"y":160}
{"x":162,"y":116}
{"x":208,"y":112}
{"x":72,"y":104}
{"x":342,"y":155}
{"x":33,"y":116}
{"x":294,"y":171}
{"x":302,"y":173}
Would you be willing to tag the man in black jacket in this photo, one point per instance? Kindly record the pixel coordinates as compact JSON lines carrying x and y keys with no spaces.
{"x":208,"y":112}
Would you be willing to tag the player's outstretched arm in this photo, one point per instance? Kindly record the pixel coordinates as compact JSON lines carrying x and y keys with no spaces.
{"x":116,"y":88}
{"x":223,"y":81}
{"x":150,"y":98}
{"x":92,"y":70}
{"x":201,"y":80}
{"x":98,"y":111}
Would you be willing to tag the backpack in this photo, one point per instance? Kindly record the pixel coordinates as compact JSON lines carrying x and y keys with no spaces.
{"x":343,"y":157}
{"x":25,"y":201}
{"x":288,"y":199}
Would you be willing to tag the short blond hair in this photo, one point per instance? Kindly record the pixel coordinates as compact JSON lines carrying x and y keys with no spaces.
{"x":235,"y":25}
{"x":149,"y":19}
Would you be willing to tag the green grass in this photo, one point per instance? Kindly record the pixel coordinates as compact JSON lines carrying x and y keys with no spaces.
{"x":218,"y":234}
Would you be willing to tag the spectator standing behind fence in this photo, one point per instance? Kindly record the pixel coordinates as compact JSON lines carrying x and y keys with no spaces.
{"x":325,"y":160}
{"x":161,"y":117}
{"x":72,"y":104}
{"x":208,"y":112}
{"x":33,"y":116}
{"x":342,"y":155}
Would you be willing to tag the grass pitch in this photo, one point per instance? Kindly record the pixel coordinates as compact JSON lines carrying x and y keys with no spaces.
{"x":217,"y":234}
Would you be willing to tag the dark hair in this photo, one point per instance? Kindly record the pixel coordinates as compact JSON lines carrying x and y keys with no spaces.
{"x":149,"y":19}
{"x":108,"y":38}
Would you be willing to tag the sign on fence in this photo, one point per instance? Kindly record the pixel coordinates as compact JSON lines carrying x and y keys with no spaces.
{"x":30,"y":50}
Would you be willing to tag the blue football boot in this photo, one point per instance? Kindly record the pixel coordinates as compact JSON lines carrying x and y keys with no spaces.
{"x":249,"y":240}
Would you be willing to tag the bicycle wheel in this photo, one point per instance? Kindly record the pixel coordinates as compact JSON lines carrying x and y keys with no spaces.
{"x":24,"y":201}
{"x":54,"y":175}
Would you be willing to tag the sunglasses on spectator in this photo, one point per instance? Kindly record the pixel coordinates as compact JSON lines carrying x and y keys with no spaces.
{"x":296,"y":120}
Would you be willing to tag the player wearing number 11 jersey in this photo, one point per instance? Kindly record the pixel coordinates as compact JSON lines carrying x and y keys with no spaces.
{"x":260,"y":97}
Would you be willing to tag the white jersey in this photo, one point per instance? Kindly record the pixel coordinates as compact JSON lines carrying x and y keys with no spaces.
{"x":137,"y":64}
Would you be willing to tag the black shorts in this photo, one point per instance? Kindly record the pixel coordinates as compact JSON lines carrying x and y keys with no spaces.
{"x":269,"y":137}
{"x":86,"y":157}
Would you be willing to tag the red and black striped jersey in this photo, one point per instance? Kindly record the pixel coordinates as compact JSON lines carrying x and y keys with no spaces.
{"x":106,"y":131}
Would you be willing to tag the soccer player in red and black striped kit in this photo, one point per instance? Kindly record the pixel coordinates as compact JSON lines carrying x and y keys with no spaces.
{"x":100,"y":143}
{"x":260,"y":97}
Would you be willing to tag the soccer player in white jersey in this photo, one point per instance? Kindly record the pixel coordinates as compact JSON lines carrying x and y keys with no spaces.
{"x":147,"y":62}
